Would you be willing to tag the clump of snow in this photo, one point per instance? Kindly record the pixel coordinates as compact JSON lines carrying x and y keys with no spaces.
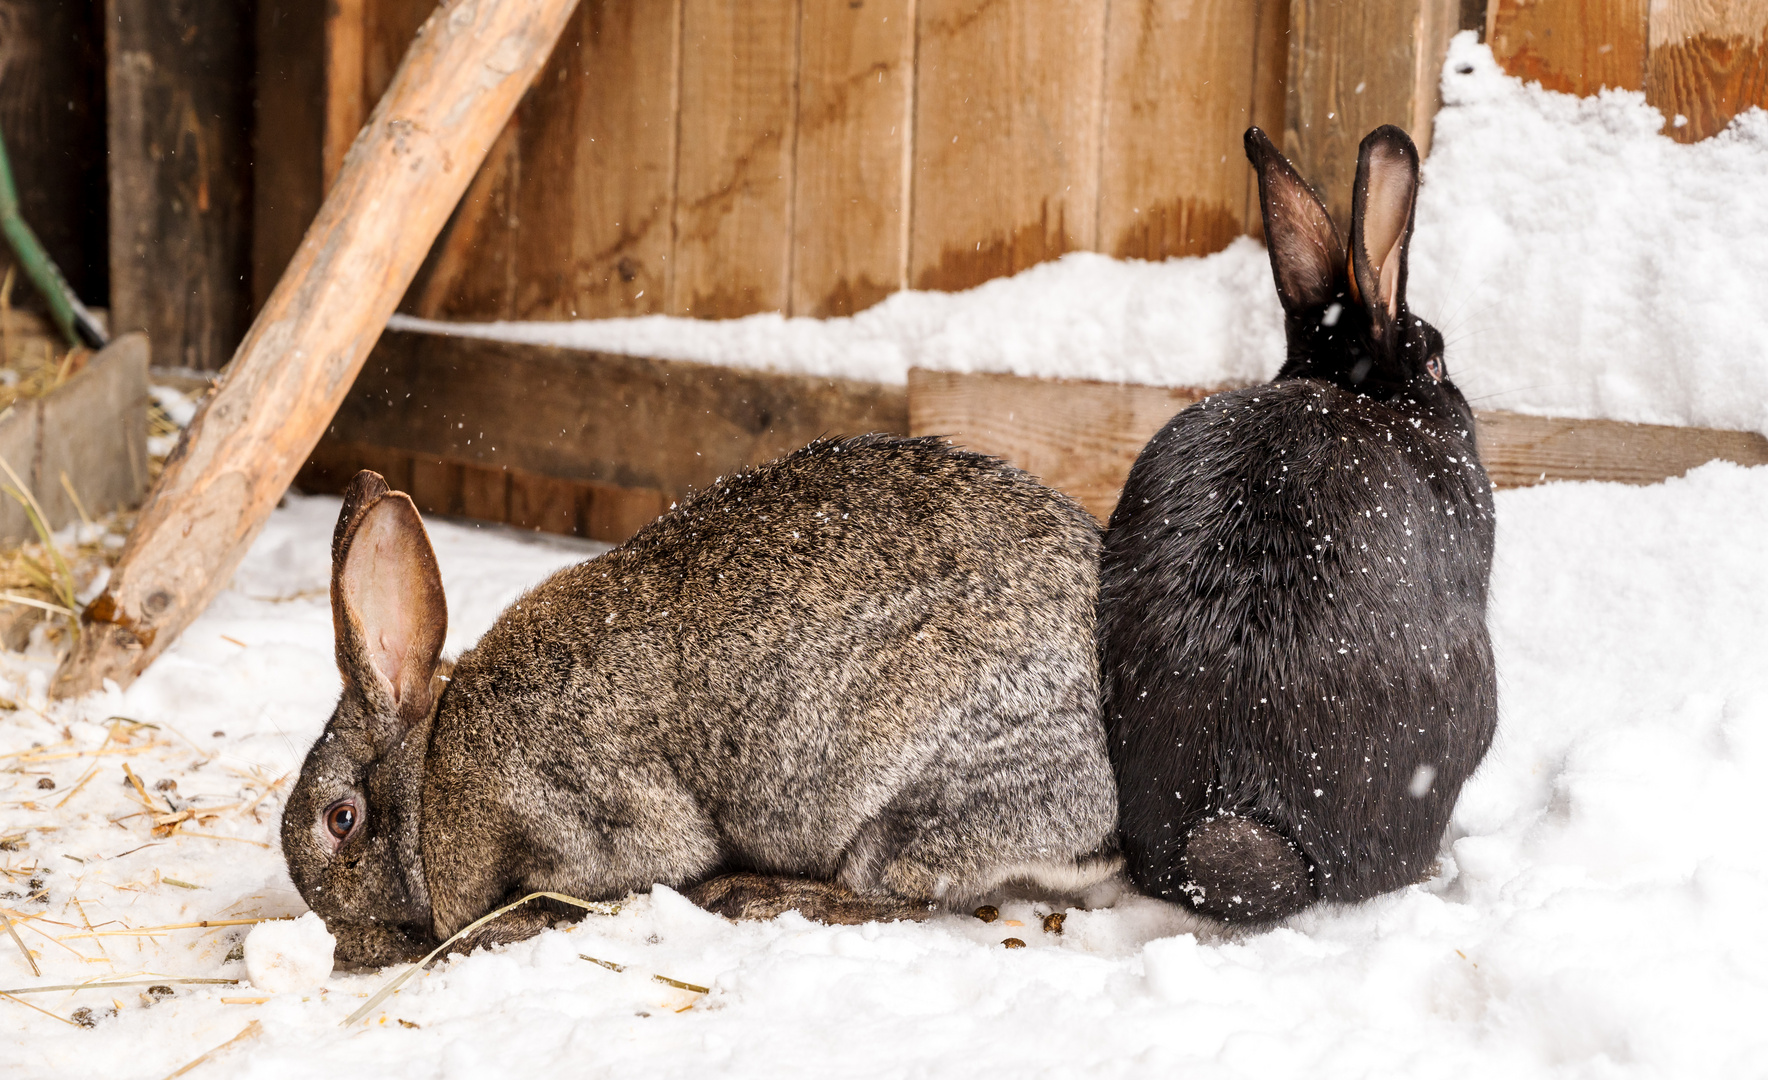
{"x":1580,"y":263}
{"x":295,"y":954}
{"x":1597,"y":911}
{"x":1183,"y":322}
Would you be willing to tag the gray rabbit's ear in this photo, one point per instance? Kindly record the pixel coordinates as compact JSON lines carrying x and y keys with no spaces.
{"x":1307,"y":257}
{"x":388,"y":611}
{"x":1382,"y":207}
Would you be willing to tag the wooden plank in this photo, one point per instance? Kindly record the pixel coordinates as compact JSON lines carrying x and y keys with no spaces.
{"x":52,"y":112}
{"x":288,"y":144}
{"x":1181,"y":81}
{"x":364,"y":43}
{"x":1352,"y":68}
{"x":1520,"y":450}
{"x":179,"y":118}
{"x":1077,"y":436}
{"x":455,"y":91}
{"x":1082,"y":437}
{"x":470,"y":272}
{"x":1008,"y":97}
{"x":1708,"y":62}
{"x":1270,"y":74}
{"x":346,"y":106}
{"x":621,"y":421}
{"x":598,"y":166}
{"x":1573,"y":46}
{"x":850,"y":211}
{"x":734,"y":180}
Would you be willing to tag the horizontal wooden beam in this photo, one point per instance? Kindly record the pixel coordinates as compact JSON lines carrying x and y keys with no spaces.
{"x":620,"y":432}
{"x":1082,"y":437}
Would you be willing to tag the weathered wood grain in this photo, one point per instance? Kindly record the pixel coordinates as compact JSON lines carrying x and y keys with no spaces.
{"x":346,"y":106}
{"x":850,"y":210}
{"x":458,"y":85}
{"x":288,"y":143}
{"x":179,"y":116}
{"x":1708,"y":61}
{"x":1077,"y":436}
{"x":1082,"y":437}
{"x":1573,"y":46}
{"x":598,"y":166}
{"x":1352,"y":68}
{"x":738,"y":117}
{"x":1520,"y":450}
{"x":52,"y":112}
{"x":620,"y":421}
{"x":1181,"y":82}
{"x":1008,"y":100}
{"x":92,"y":430}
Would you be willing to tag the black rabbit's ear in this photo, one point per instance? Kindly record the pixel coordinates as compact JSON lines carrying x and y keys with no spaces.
{"x":1307,"y":258}
{"x":388,"y":611}
{"x":1381,"y":222}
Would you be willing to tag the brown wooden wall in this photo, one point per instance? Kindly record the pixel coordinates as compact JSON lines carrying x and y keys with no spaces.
{"x":1703,"y":60}
{"x":714,"y":158}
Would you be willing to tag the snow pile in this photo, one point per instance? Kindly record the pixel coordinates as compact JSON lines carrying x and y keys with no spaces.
{"x":293,"y":955}
{"x":1183,"y":322}
{"x":1597,"y":911}
{"x":1579,"y":263}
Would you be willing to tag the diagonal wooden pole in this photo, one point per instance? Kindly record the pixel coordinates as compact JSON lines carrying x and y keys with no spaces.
{"x":455,"y":90}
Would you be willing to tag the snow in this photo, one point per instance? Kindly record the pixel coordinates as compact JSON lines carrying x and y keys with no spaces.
{"x":291,"y":955}
{"x":1598,"y":904}
{"x":1597,"y":912}
{"x":1579,"y":263}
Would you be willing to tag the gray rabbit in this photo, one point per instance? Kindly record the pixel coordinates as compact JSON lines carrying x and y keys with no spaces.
{"x":859,"y":681}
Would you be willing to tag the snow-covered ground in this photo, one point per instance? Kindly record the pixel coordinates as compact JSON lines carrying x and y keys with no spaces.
{"x":1579,"y":263}
{"x":1598,"y":911}
{"x":1598,"y":908}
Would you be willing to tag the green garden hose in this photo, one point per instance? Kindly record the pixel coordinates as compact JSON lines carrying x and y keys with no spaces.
{"x":71,"y":317}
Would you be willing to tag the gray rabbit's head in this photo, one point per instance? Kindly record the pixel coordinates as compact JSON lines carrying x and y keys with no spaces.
{"x":349,"y":830}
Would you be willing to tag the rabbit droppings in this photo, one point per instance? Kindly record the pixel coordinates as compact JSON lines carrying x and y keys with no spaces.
{"x":1295,"y":662}
{"x":859,"y":681}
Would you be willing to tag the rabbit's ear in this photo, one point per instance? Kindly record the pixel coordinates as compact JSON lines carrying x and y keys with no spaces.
{"x":1381,"y":223}
{"x":388,"y":611}
{"x":1306,"y":255}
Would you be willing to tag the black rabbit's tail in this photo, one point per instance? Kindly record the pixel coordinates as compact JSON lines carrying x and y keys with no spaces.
{"x":1241,"y":872}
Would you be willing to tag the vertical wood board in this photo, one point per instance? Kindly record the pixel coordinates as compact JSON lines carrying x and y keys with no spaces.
{"x":1708,"y":61}
{"x":288,"y":142}
{"x":596,"y":208}
{"x":52,"y":74}
{"x":1352,"y":68}
{"x":1008,"y":102}
{"x":1181,"y":80}
{"x":734,"y":174}
{"x":1573,"y":46}
{"x":851,"y":198}
{"x":179,"y":121}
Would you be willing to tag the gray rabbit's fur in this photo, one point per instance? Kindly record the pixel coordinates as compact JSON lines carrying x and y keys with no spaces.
{"x":869,"y":664}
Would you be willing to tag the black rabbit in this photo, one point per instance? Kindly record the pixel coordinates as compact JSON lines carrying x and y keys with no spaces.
{"x":1296,"y":668}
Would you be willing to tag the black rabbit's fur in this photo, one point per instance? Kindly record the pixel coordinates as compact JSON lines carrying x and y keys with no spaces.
{"x":1293,"y":590}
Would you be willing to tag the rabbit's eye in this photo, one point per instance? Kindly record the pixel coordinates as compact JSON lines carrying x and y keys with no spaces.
{"x":341,"y":818}
{"x":1434,"y":365}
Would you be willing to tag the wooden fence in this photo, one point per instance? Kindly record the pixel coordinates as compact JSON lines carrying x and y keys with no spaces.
{"x":713,"y":158}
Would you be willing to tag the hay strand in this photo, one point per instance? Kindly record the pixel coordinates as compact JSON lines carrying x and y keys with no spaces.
{"x":45,"y":1012}
{"x":392,"y":985}
{"x":664,"y":979}
{"x":20,"y":942}
{"x":124,"y":982}
{"x":249,"y":1031}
